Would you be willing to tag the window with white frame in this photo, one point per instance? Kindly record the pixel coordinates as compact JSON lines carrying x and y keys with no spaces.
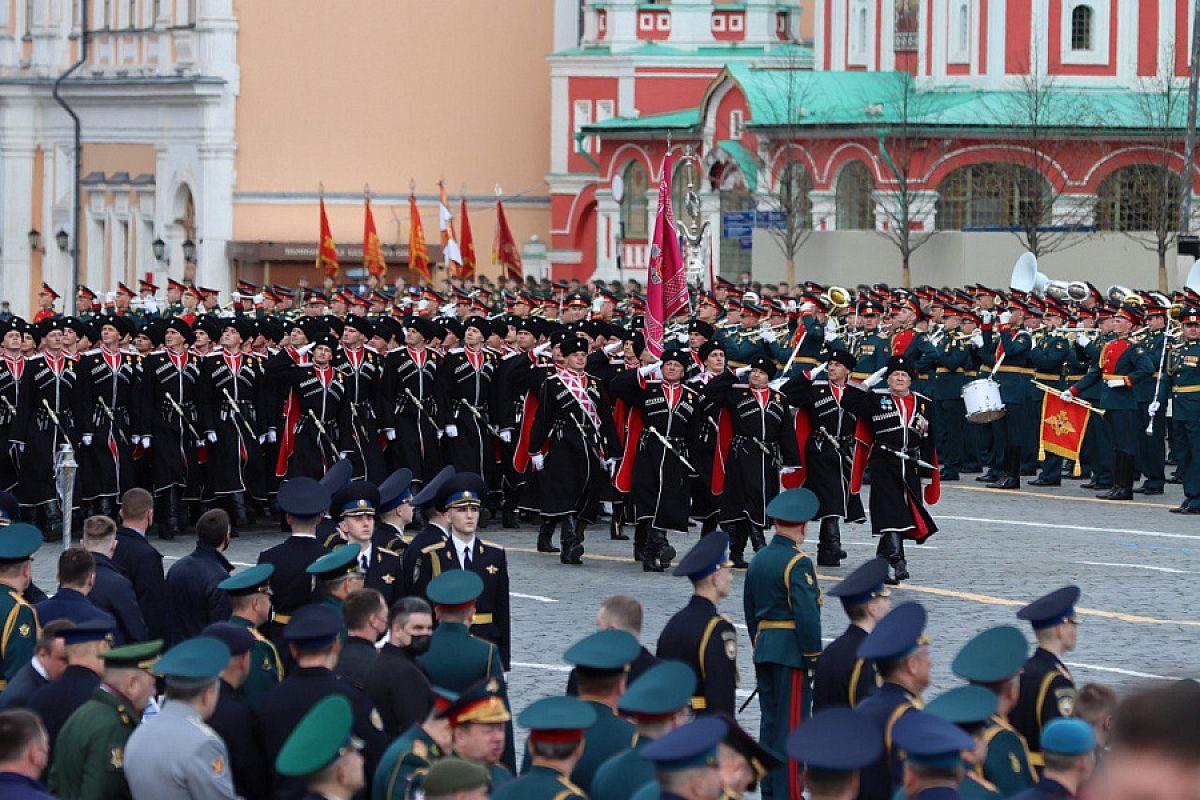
{"x":860,"y":22}
{"x":29,"y":17}
{"x":583,"y":116}
{"x":737,"y":124}
{"x":718,"y":23}
{"x":605,"y":109}
{"x":959,"y":50}
{"x":735,"y":22}
{"x":1085,"y":32}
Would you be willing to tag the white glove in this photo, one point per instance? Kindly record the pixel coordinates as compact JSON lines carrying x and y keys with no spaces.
{"x":539,"y":461}
{"x":778,"y":383}
{"x":110,"y":296}
{"x":146,"y":441}
{"x":200,"y":443}
{"x":977,"y":338}
{"x":541,"y":348}
{"x":829,"y":336}
{"x":1083,"y":340}
{"x":211,"y":435}
{"x":597,"y":303}
{"x":262,"y":438}
{"x":506,"y":435}
{"x":609,"y":348}
{"x":791,"y":305}
{"x":651,"y":370}
{"x":1005,"y":316}
{"x":767,"y":335}
{"x":271,"y":435}
{"x":1115,"y":383}
{"x":831,"y":326}
{"x":149,"y":306}
{"x":681,"y":337}
{"x":422,"y":304}
{"x":344,"y":454}
{"x":741,"y":372}
{"x":875,"y":377}
{"x":817,"y":370}
{"x":806,"y":307}
{"x":1154,"y":407}
{"x":389,"y":434}
{"x":258,"y":298}
{"x":236,"y":297}
{"x":1066,"y":396}
{"x":451,"y":431}
{"x":611,"y":465}
{"x":986,"y":317}
{"x":86,"y":439}
{"x":787,"y":470}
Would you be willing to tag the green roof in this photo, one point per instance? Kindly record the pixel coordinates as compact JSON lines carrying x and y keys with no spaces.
{"x":744,"y":159}
{"x":686,"y":119}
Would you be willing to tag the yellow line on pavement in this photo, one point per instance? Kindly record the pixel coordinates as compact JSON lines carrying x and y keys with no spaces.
{"x":1023,"y":493}
{"x":600,"y":556}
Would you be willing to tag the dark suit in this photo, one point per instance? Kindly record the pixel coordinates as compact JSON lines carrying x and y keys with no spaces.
{"x":69,"y":604}
{"x":22,"y":686}
{"x":114,"y":594}
{"x":842,"y":679}
{"x":58,"y":700}
{"x":143,"y":565}
{"x":235,"y":723}
{"x":354,"y":660}
{"x":399,"y":688}
{"x":196,"y":601}
{"x":291,"y":585}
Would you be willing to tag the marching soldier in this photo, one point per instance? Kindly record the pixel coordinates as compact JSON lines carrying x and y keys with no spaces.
{"x":993,"y":659}
{"x":323,"y":412}
{"x":409,"y":415}
{"x":901,"y":452}
{"x":21,"y":629}
{"x":1152,"y":405}
{"x":231,"y":389}
{"x":760,"y":448}
{"x":1047,"y":689}
{"x":706,"y":506}
{"x":250,"y":598}
{"x":1184,"y":371}
{"x":1006,"y":352}
{"x":514,"y":378}
{"x":952,"y":355}
{"x":12,"y":368}
{"x":168,"y":423}
{"x":698,"y":635}
{"x":464,"y":390}
{"x":361,"y":369}
{"x":107,"y":376}
{"x":1051,"y":356}
{"x":842,"y":679}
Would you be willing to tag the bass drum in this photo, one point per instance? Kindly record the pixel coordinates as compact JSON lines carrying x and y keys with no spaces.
{"x":982,"y":398}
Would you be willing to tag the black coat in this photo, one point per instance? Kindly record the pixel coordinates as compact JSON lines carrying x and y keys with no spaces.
{"x":196,"y":602}
{"x":10,"y":386}
{"x":829,"y":451}
{"x":399,"y":688}
{"x":69,"y":604}
{"x":22,"y":686}
{"x":417,"y":571}
{"x":362,"y":375}
{"x":43,"y":388}
{"x":842,"y":679}
{"x":465,"y":399}
{"x":235,"y":462}
{"x":106,"y":465}
{"x":236,"y":724}
{"x":408,"y":407}
{"x":143,"y":565}
{"x":173,"y":437}
{"x":114,"y":594}
{"x":354,"y":660}
{"x":317,"y":446}
{"x":291,"y":585}
{"x":704,"y":640}
{"x":59,"y":699}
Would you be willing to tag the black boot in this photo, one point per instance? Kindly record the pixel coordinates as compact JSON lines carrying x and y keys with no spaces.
{"x":1012,"y":469}
{"x":237,"y":503}
{"x":708,"y":525}
{"x":737,"y":544}
{"x":53,"y":530}
{"x":1123,"y":468}
{"x":657,"y":554}
{"x":641,"y":533}
{"x":617,"y":523}
{"x":830,"y":543}
{"x":889,"y":550}
{"x":666,"y":553}
{"x":545,"y":540}
{"x":900,"y":566}
{"x":168,"y":525}
{"x":572,"y":547}
{"x":508,"y":519}
{"x":757,"y":539}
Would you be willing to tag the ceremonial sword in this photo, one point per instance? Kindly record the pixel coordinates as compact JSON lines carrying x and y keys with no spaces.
{"x":237,"y":412}
{"x":666,"y":443}
{"x":183,"y":417}
{"x":903,"y":456}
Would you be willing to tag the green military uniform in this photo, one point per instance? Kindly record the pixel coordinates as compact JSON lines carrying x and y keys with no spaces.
{"x":783,"y":614}
{"x":741,"y":345}
{"x":21,"y":630}
{"x":1051,"y":355}
{"x":623,"y":774}
{"x":951,"y":357}
{"x":1152,"y":448}
{"x":1184,"y":370}
{"x":1097,"y":451}
{"x":541,"y":783}
{"x":89,"y":754}
{"x":1007,"y":766}
{"x":410,"y":755}
{"x":266,"y":667}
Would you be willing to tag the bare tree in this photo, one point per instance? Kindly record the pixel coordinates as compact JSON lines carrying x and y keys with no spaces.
{"x":1151,"y":192}
{"x":782,"y":168}
{"x":904,"y":202}
{"x":1030,"y":189}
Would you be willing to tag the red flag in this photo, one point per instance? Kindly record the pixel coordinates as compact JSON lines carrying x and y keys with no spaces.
{"x":327,"y":258}
{"x":466,"y":269}
{"x":451,"y":254}
{"x":666,"y":281}
{"x":504,"y":247}
{"x":418,"y":255}
{"x":1063,"y":426}
{"x":372,"y":251}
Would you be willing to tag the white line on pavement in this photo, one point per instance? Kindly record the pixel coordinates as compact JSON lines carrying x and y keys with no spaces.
{"x":1084,"y":528}
{"x":1119,"y":671}
{"x":235,"y":563}
{"x":538,"y":597}
{"x":876,"y":544}
{"x":1135,"y":566}
{"x":551,"y":667}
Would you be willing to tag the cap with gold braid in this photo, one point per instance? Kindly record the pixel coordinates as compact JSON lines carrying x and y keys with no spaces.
{"x":143,"y":655}
{"x":480,"y":702}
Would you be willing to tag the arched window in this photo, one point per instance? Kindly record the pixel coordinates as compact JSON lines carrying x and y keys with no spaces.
{"x":862,"y":30}
{"x":634,"y":206}
{"x":1137,"y":198}
{"x":854,"y":204}
{"x":964,"y":27}
{"x":794,"y":197}
{"x":1081,"y":28}
{"x":992,"y":196}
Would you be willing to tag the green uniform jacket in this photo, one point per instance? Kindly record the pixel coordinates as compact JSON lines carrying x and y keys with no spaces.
{"x":783,"y":606}
{"x":1050,"y":355}
{"x":1007,"y":763}
{"x":456,"y":659}
{"x":608,"y":736}
{"x":872,"y":352}
{"x":1152,"y":346}
{"x":623,"y":774}
{"x":541,"y":783}
{"x":89,"y":756}
{"x":266,"y":668}
{"x":972,"y":788}
{"x":1184,"y":368}
{"x":19,"y":635}
{"x":952,"y":358}
{"x":410,"y":755}
{"x":1016,"y":370}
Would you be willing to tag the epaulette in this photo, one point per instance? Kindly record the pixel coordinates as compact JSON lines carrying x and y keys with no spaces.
{"x":35,"y":357}
{"x":91,"y":352}
{"x":431,"y":548}
{"x":491,"y":544}
{"x":372,"y":349}
{"x":456,"y":350}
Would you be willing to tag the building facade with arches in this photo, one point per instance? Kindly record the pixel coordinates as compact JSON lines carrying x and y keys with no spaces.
{"x":1038,"y":123}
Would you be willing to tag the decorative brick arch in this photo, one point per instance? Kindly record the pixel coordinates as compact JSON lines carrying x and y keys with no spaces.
{"x":1129,"y":156}
{"x":580,"y":204}
{"x":842,"y":155}
{"x":776,"y":162}
{"x":989,"y":154}
{"x":623,"y":155}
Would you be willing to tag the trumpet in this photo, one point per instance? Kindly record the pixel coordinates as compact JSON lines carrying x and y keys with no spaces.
{"x":1121,"y":295}
{"x":836,"y":297}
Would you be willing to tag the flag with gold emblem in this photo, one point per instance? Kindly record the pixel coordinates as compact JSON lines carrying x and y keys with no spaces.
{"x":1063,"y":427}
{"x":418,"y":254}
{"x":327,"y":257}
{"x":372,"y":250}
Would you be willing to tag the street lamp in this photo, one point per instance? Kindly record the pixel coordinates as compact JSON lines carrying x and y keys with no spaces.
{"x":160,"y":249}
{"x":62,"y":240}
{"x":35,"y":239}
{"x":189,"y":250}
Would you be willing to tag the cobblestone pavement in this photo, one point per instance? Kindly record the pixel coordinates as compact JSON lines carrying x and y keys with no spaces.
{"x":1137,"y":564}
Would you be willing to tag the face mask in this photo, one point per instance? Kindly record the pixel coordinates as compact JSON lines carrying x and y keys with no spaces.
{"x":419,"y":645}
